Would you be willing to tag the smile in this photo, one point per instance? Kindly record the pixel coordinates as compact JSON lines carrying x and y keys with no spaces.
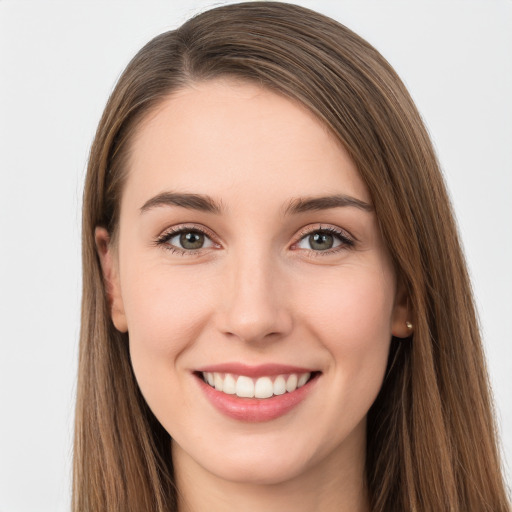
{"x":261,"y":387}
{"x":256,"y":393}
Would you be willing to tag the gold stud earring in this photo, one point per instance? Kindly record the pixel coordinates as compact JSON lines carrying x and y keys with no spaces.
{"x":408,"y":325}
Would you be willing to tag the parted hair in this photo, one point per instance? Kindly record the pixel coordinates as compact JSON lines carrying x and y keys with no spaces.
{"x":431,"y":436}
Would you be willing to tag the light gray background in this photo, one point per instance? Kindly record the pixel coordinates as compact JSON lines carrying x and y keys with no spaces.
{"x":58,"y":63}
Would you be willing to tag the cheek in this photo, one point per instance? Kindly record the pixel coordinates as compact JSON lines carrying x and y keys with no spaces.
{"x":350,"y":309}
{"x":163,"y":304}
{"x":166,"y":313}
{"x":350,"y":315}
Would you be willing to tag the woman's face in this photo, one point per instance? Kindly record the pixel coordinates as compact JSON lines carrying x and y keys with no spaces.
{"x":249,"y":256}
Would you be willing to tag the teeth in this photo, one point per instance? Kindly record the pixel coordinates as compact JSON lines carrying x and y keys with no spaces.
{"x":229,"y":385}
{"x":218,"y":381}
{"x":291,"y":383}
{"x":303,"y":379}
{"x":244,"y":387}
{"x":263,"y":387}
{"x":279,"y":386}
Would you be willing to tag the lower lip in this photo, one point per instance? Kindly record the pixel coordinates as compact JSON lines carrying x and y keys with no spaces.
{"x":256,"y":409}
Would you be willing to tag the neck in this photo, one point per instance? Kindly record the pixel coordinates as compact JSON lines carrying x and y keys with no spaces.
{"x":337,"y":483}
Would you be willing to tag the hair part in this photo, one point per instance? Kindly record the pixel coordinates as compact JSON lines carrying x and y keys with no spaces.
{"x":431,"y":442}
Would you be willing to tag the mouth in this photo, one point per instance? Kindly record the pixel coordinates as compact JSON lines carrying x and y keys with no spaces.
{"x":256,"y":394}
{"x":262,"y":387}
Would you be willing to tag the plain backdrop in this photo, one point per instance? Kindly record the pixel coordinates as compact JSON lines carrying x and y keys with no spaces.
{"x":58,"y":64}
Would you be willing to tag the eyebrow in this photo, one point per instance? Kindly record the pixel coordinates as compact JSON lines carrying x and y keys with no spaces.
{"x":206,"y":203}
{"x":301,"y":205}
{"x":191,"y":201}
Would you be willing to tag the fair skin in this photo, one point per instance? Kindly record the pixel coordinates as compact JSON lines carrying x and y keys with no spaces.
{"x":263,"y":276}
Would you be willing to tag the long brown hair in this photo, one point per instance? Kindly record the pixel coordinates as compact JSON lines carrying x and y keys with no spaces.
{"x":431,"y":442}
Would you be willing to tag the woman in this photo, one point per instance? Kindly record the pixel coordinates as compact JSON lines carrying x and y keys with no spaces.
{"x":276,"y":310}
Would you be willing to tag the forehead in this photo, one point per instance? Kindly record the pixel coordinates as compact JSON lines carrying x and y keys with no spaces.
{"x":222,"y":136}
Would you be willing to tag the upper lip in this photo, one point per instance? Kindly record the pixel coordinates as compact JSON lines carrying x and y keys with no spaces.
{"x":261,"y":370}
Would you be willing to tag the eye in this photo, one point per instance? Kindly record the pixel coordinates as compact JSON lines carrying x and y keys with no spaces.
{"x":185,"y":240}
{"x":324,"y":239}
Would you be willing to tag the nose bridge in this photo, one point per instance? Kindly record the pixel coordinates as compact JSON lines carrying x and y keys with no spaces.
{"x":254,"y":307}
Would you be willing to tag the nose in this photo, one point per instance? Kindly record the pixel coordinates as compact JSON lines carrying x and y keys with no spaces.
{"x":254,"y":306}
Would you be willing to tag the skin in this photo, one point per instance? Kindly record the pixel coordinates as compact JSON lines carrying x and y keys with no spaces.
{"x":256,"y":293}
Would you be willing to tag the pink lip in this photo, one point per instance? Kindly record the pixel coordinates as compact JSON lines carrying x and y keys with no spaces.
{"x":263,"y":370}
{"x":255,"y":409}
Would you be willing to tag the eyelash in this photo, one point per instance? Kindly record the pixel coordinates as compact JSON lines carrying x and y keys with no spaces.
{"x":163,"y":239}
{"x":346,"y":241}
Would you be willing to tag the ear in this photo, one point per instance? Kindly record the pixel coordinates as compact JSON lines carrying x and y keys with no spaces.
{"x":110,"y":269}
{"x":401,"y":326}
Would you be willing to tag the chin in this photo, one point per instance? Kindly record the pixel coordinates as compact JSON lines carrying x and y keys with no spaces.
{"x":255,"y":459}
{"x":259,"y":470}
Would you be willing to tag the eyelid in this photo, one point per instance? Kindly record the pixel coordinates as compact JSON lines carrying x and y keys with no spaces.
{"x":162,"y":239}
{"x":347,"y":239}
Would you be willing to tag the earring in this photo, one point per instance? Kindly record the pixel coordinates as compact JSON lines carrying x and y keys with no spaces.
{"x":408,"y":325}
